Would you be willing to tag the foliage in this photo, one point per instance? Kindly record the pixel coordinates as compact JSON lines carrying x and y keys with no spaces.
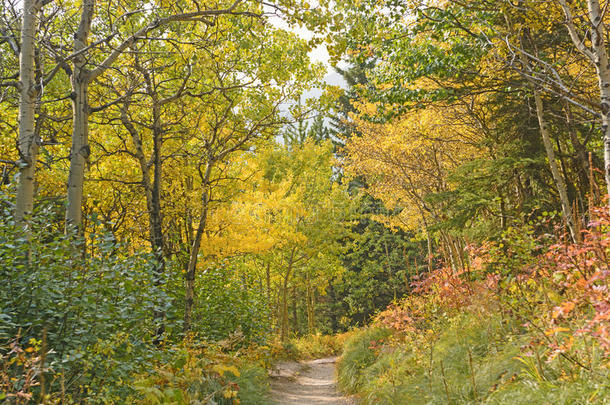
{"x":227,"y":304}
{"x":27,"y":364}
{"x":317,"y":346}
{"x":87,"y":323}
{"x":202,"y":374}
{"x":440,"y":365}
{"x":95,"y":312}
{"x":441,"y":133}
{"x":527,"y":323}
{"x":359,"y":353}
{"x":223,"y":226}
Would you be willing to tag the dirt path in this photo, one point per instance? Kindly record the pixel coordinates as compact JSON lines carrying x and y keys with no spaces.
{"x":307,"y":383}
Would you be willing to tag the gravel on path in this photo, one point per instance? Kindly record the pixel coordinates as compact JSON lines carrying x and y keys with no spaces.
{"x":307,"y":383}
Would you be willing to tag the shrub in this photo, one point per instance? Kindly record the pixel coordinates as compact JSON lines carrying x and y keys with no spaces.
{"x":226,"y":306}
{"x":202,"y":374}
{"x":526,"y":323}
{"x":317,"y":345}
{"x":95,"y":310}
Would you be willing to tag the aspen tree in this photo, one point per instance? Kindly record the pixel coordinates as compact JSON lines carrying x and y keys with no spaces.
{"x":27,"y":142}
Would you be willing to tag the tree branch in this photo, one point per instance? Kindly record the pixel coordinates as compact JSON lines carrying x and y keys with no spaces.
{"x":192,"y":16}
{"x":578,"y":41}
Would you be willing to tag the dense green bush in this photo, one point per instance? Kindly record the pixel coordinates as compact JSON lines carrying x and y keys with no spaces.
{"x":89,"y":306}
{"x":226,"y":306}
{"x":93,"y":306}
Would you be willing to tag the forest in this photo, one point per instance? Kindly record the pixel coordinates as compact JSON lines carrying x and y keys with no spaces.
{"x":192,"y":202}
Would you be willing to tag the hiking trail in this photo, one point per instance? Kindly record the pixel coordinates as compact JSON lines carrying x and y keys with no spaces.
{"x":307,"y":383}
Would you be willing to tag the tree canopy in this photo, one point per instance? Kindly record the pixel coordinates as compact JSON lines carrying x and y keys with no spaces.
{"x":187,"y":197}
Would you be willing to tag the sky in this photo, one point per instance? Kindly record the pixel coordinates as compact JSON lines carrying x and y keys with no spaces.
{"x":318,"y":54}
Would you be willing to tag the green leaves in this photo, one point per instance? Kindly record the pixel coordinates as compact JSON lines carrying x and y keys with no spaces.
{"x":97,"y":311}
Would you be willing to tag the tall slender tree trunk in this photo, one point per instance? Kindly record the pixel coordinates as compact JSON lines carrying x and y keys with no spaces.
{"x":278,"y":306}
{"x":268,"y":281}
{"x":155,"y":215}
{"x":152,"y":193}
{"x":581,"y":157}
{"x":189,"y":294}
{"x":79,"y":152}
{"x":311,"y":302}
{"x":295,"y":314}
{"x":598,"y":56}
{"x":284,"y":310}
{"x":27,"y":142}
{"x":428,"y":238}
{"x":334,"y":323}
{"x":566,"y":207}
{"x":602,"y":66}
{"x":156,"y":220}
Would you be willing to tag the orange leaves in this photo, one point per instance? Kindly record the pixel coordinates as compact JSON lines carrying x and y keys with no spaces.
{"x":582,"y":271}
{"x":563,"y":310}
{"x":397,"y":317}
{"x":562,"y":295}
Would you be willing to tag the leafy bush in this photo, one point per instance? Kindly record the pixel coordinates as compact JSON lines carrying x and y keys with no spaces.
{"x":202,"y":374}
{"x":25,"y":362}
{"x":318,"y":345}
{"x":526,"y":323}
{"x":95,"y":310}
{"x":77,"y":323}
{"x":467,"y":359}
{"x":225,"y":306}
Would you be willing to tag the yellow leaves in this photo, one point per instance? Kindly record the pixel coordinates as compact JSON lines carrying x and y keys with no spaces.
{"x":221,"y":369}
{"x":408,"y":157}
{"x":229,"y":393}
{"x":285,"y":194}
{"x":554,"y":331}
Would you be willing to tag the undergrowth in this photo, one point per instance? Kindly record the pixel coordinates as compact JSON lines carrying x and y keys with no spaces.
{"x":314,"y":346}
{"x":526,"y":323}
{"x":461,"y":360}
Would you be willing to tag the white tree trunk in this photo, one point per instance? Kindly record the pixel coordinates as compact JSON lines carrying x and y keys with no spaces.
{"x":82,"y":77}
{"x":598,"y":44}
{"x":598,"y":56}
{"x":79,"y":153}
{"x":27,"y":142}
{"x":550,"y":153}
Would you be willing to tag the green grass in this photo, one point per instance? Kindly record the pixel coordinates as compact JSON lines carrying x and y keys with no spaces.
{"x":357,"y":357}
{"x":468,"y":359}
{"x":253,"y":386}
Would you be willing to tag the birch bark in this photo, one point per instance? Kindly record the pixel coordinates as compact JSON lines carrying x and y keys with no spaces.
{"x":597,"y":54}
{"x":82,"y":77}
{"x":79,"y":152}
{"x":550,"y":153}
{"x":27,"y":142}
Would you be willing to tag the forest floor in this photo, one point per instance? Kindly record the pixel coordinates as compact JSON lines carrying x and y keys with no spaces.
{"x":307,"y":383}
